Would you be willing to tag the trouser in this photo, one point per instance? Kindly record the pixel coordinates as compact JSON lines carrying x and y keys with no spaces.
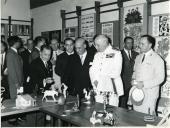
{"x":149,"y":102}
{"x":124,"y":99}
{"x":113,"y":99}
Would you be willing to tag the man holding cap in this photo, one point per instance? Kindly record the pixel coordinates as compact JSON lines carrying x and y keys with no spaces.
{"x":149,"y":73}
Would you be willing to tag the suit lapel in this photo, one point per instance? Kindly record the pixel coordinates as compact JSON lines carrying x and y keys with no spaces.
{"x":86,"y":59}
{"x":43,"y":66}
{"x":125,"y":55}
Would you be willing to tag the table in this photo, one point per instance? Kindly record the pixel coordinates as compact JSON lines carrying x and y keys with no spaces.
{"x":81,"y":118}
{"x":10,"y":106}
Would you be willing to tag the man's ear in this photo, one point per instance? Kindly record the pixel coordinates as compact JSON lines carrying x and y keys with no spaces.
{"x":85,"y":45}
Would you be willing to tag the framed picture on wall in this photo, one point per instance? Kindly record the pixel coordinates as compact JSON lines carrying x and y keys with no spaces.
{"x":88,"y":23}
{"x":107,"y":29}
{"x":134,"y":23}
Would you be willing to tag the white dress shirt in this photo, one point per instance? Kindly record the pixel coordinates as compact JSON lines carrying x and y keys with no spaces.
{"x":127,"y":53}
{"x":83,"y":56}
{"x":14,"y":49}
{"x":2,"y":58}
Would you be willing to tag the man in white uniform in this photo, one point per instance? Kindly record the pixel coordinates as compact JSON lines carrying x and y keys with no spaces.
{"x":149,"y":73}
{"x":105,"y":71}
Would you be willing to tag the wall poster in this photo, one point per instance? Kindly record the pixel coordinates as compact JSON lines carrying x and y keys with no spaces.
{"x":88,"y":26}
{"x":160,"y":30}
{"x":107,"y":29}
{"x":133,"y":19}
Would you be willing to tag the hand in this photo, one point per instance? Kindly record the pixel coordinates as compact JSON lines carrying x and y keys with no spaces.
{"x":95,"y":83}
{"x":53,"y":61}
{"x":17,"y":86}
{"x":6,"y":72}
{"x":139,"y":84}
{"x":134,"y":82}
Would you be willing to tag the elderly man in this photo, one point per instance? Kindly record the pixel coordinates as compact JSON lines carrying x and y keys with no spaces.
{"x":77,"y":74}
{"x":105,"y":71}
{"x":149,"y":73}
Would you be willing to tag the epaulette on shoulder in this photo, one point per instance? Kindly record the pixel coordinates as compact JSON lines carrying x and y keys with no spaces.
{"x":114,"y":48}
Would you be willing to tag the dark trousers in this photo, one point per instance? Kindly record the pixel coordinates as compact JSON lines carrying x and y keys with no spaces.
{"x":124,"y":99}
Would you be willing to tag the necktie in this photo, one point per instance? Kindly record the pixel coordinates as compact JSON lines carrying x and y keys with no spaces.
{"x":143,"y":58}
{"x":129,"y":55}
{"x":81,"y":58}
{"x":46,"y":65}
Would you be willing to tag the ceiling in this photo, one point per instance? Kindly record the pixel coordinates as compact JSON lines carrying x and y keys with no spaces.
{"x":38,"y":3}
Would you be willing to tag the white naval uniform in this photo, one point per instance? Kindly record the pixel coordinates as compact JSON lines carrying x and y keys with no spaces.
{"x":107,"y":65}
{"x":152,"y":72}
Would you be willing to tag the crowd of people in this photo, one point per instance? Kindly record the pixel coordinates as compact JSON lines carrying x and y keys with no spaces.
{"x":40,"y":65}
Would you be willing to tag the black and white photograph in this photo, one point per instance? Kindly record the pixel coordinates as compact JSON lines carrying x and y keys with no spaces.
{"x":85,"y":63}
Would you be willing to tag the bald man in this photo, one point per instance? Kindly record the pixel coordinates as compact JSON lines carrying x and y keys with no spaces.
{"x":105,"y":71}
{"x":77,"y":75}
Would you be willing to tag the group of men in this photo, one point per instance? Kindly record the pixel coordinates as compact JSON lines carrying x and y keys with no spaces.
{"x":99,"y":67}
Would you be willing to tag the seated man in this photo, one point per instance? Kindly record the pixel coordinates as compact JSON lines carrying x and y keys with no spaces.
{"x":41,"y":70}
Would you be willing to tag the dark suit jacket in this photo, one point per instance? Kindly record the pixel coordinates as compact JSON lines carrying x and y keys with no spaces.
{"x":34,"y":54}
{"x":77,"y":75}
{"x":127,"y":69}
{"x":39,"y":72}
{"x":25,"y":57}
{"x":61,"y":64}
{"x":4,"y":79}
{"x":92,"y":49}
{"x":15,"y":72}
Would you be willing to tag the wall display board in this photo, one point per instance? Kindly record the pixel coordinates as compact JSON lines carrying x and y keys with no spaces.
{"x":107,"y":29}
{"x":21,"y":28}
{"x":23,"y":31}
{"x":71,"y":32}
{"x":87,"y":26}
{"x":160,"y":25}
{"x":133,"y":23}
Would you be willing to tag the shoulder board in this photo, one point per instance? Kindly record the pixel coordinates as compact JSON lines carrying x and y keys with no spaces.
{"x":115,"y":49}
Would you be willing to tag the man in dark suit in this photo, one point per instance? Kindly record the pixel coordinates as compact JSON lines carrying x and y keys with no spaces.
{"x":4,"y":75}
{"x":25,"y":57}
{"x":38,"y":42}
{"x":91,"y":47}
{"x":62,"y":59}
{"x":41,"y":70}
{"x":14,"y":66}
{"x":78,"y":70}
{"x":128,"y":56}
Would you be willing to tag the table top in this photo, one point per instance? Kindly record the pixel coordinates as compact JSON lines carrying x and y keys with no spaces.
{"x":10,"y":106}
{"x":82,"y":118}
